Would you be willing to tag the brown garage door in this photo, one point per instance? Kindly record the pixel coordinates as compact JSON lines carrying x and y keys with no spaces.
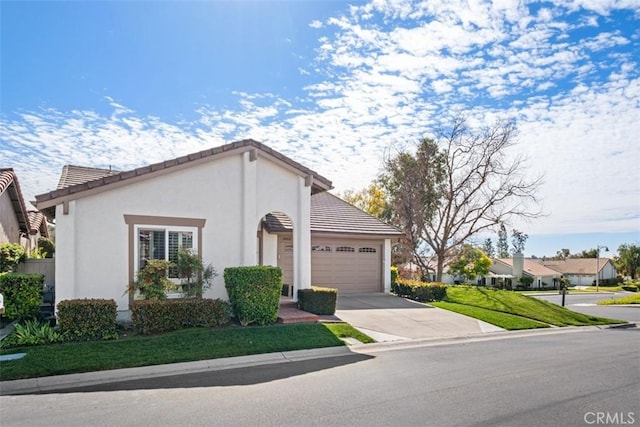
{"x":350,"y":266}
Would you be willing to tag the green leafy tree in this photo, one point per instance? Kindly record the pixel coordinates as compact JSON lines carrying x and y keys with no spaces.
{"x":563,"y":254}
{"x":458,"y":185}
{"x":591,"y":253}
{"x":372,"y":200}
{"x":470,"y":263}
{"x":503,"y":244}
{"x":11,"y":254}
{"x":628,"y":260}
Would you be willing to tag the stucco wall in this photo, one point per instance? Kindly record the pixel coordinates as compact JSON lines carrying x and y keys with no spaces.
{"x":232,"y":193}
{"x":9,"y":229}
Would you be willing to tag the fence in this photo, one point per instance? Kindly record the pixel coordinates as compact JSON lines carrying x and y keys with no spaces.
{"x":46,"y":266}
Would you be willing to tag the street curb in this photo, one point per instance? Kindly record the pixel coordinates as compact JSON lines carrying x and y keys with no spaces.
{"x":62,"y":382}
{"x":486,"y":336}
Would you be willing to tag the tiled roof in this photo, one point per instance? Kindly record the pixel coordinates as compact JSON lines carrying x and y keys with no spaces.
{"x":38,"y":222}
{"x":577,"y":266}
{"x":531,"y":266}
{"x":9,"y":183}
{"x":73,"y":175}
{"x":76,"y":186}
{"x":331,"y":214}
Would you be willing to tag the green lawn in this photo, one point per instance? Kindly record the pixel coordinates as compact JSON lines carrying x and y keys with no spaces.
{"x":521,"y":305}
{"x":504,"y":320}
{"x":630,"y":299}
{"x":179,"y":346}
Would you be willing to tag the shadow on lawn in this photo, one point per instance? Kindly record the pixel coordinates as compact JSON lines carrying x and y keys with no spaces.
{"x":223,"y":378}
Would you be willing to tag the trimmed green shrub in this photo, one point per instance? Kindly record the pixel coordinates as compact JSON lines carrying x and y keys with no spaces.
{"x":11,"y":254}
{"x":254,"y":293}
{"x":22,"y":294}
{"x":154,"y":317}
{"x":609,"y":282}
{"x":630,"y":288}
{"x":318,"y":300}
{"x":419,"y":291}
{"x":87,"y":319}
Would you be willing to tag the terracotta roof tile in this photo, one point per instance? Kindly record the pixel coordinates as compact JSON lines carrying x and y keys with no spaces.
{"x":532,"y":267}
{"x":331,"y":214}
{"x":586,"y":266}
{"x":27,"y":220}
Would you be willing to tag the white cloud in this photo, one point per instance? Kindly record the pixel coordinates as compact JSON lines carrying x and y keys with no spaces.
{"x":380,"y":84}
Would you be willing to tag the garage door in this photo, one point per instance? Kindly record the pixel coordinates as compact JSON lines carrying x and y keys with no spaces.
{"x":351,"y":266}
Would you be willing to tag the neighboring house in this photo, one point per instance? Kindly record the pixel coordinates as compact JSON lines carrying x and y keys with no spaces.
{"x":512,"y":268}
{"x":582,"y":271}
{"x":503,"y":271}
{"x":17,"y":223}
{"x":239,"y":204}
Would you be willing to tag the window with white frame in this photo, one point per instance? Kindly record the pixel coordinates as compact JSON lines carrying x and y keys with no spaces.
{"x":155,"y":242}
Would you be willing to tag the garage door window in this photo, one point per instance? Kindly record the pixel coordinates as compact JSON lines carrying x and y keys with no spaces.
{"x":321,"y":248}
{"x":345,"y":249}
{"x":367,"y":250}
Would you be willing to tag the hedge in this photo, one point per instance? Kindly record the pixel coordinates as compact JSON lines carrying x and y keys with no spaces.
{"x":419,"y":291}
{"x":254,"y":293}
{"x":22,"y":294}
{"x":87,"y":319}
{"x":630,"y":288}
{"x":157,"y":316}
{"x":318,"y":300}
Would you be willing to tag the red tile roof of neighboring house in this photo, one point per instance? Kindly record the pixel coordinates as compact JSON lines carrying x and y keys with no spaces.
{"x":9,"y":182}
{"x":38,"y":222}
{"x":532,"y":267}
{"x":331,"y":214}
{"x":28,"y":221}
{"x":576,"y":266}
{"x":72,"y":186}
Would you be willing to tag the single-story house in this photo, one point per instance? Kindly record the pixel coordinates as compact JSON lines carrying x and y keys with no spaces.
{"x":582,"y":271}
{"x":503,"y":271}
{"x":513,"y":268}
{"x":238,"y":204}
{"x":17,"y":223}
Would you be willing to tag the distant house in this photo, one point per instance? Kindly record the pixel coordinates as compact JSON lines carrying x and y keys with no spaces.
{"x":504,"y":272}
{"x":582,"y":271}
{"x":17,"y":223}
{"x":511,"y":269}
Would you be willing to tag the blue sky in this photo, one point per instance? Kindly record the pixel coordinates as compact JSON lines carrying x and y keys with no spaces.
{"x":335,"y":86}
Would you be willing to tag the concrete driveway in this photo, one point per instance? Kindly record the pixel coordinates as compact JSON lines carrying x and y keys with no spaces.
{"x":387,"y":317}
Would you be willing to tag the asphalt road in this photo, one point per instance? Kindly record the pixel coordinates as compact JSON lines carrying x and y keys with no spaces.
{"x":566,"y":378}
{"x":587,"y":304}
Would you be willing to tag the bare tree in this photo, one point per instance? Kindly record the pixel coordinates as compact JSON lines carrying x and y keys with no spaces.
{"x":464,"y":183}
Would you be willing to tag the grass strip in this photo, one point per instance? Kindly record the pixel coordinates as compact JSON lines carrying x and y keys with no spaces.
{"x":521,"y":305}
{"x":345,"y":330}
{"x":629,"y":299}
{"x":178,"y":346}
{"x":504,"y":320}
